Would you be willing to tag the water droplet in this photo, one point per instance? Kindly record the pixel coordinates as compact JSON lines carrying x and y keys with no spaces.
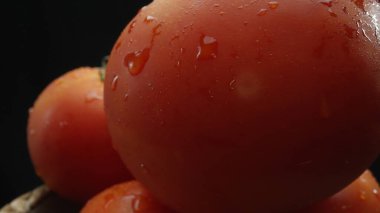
{"x":345,"y":10}
{"x":117,"y":45}
{"x":232,"y":84}
{"x":182,"y":50}
{"x":208,"y":48}
{"x":245,"y":23}
{"x":363,"y":195}
{"x":216,"y":5}
{"x":359,"y":4}
{"x":364,"y":33}
{"x":262,"y":12}
{"x":114,"y":82}
{"x":273,"y":5}
{"x":135,"y":61}
{"x":149,"y":19}
{"x":350,"y":32}
{"x":375,"y":192}
{"x":142,"y":204}
{"x":144,"y":169}
{"x":332,"y":13}
{"x":327,"y":3}
{"x":240,"y":7}
{"x":176,"y":37}
{"x":157,"y":30}
{"x":221,"y":13}
{"x":93,"y":96}
{"x":131,"y":26}
{"x":32,"y":131}
{"x":30,"y":110}
{"x":63,"y":124}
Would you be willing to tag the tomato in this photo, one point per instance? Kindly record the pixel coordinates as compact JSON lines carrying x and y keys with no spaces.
{"x":246,"y":106}
{"x":126,"y":197}
{"x":361,"y":196}
{"x":68,"y":139}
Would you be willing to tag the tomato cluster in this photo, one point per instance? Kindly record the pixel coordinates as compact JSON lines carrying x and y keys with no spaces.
{"x":223,"y":106}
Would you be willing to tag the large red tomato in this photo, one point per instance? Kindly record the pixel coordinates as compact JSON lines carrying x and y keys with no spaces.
{"x":246,"y":106}
{"x":68,"y":138}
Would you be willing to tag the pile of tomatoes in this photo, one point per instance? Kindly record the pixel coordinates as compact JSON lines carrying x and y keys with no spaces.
{"x":221,"y":106}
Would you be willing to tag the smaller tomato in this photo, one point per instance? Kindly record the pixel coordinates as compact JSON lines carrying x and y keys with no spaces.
{"x":361,"y":196}
{"x":68,"y":138}
{"x":124,"y":197}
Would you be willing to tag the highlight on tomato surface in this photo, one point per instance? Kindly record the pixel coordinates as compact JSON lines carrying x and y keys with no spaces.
{"x":224,"y":105}
{"x":68,"y":139}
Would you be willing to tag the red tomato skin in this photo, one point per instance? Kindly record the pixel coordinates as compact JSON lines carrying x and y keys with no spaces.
{"x":361,"y":196}
{"x":217,"y":106}
{"x":68,"y":139}
{"x":126,"y":197}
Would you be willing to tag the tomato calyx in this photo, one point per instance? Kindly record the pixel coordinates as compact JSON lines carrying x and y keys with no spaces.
{"x":102,"y":68}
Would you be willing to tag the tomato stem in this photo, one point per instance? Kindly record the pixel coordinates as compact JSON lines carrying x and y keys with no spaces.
{"x":102,"y":70}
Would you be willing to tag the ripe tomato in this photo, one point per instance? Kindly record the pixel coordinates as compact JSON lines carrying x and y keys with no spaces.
{"x":361,"y":196}
{"x":246,"y":106}
{"x":126,"y":197}
{"x":68,"y":139}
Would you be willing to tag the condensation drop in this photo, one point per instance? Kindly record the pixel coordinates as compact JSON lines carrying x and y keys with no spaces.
{"x":273,"y":5}
{"x":93,"y":96}
{"x":262,"y":12}
{"x":135,"y":61}
{"x":232,"y":85}
{"x":131,"y":26}
{"x":327,"y":3}
{"x":114,"y":82}
{"x":350,"y":32}
{"x":149,"y":19}
{"x":208,"y":48}
{"x":359,"y":4}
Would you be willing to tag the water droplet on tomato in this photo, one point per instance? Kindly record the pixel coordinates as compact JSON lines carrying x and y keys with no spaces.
{"x":375,"y":192}
{"x":216,"y":5}
{"x":345,"y":10}
{"x":273,"y":5}
{"x":327,"y":3}
{"x":32,"y":131}
{"x":332,"y":13}
{"x":208,"y":48}
{"x":144,"y":168}
{"x":126,"y":97}
{"x":221,"y":13}
{"x":359,"y":4}
{"x":149,"y":19}
{"x":363,"y":195}
{"x":114,"y":82}
{"x":117,"y":45}
{"x":93,"y":96}
{"x":240,"y":7}
{"x":135,"y":61}
{"x":141,"y":204}
{"x":30,"y":110}
{"x":131,"y":26}
{"x":232,"y":84}
{"x":63,"y":124}
{"x":350,"y":32}
{"x":262,"y":12}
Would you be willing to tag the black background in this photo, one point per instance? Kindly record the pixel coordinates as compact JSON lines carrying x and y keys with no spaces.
{"x":44,"y":39}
